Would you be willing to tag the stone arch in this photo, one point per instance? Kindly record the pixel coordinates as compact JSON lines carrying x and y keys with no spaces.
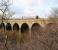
{"x":50,"y":25}
{"x":8,"y":26}
{"x":16,"y":27}
{"x":25,"y":32}
{"x":24,"y":28}
{"x":35,"y":30}
{"x":35,"y":26}
{"x":2,"y":25}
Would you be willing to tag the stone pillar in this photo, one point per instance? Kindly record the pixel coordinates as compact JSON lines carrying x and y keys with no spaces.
{"x":12,"y":27}
{"x":5,"y":27}
{"x":30,"y":32}
{"x":20,"y":33}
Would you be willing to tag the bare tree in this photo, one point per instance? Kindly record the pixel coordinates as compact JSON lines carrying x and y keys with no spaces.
{"x":5,"y":12}
{"x":54,"y":15}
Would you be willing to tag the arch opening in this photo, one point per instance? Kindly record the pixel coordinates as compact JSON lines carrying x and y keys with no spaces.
{"x":8,"y":26}
{"x":50,"y":25}
{"x":16,"y":27}
{"x":25,"y":32}
{"x":35,"y":27}
{"x":35,"y":30}
{"x":24,"y":28}
{"x":2,"y":25}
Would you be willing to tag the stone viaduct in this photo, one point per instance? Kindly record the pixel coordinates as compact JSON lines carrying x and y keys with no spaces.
{"x":23,"y":24}
{"x":26,"y":27}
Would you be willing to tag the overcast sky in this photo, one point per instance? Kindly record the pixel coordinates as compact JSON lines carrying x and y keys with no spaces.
{"x":33,"y":7}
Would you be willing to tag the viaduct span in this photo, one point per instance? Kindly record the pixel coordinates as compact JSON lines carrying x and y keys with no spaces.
{"x":23,"y":24}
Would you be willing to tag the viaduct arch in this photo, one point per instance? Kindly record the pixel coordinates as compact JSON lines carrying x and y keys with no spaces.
{"x":24,"y":28}
{"x":24,"y":25}
{"x":8,"y":26}
{"x":15,"y":26}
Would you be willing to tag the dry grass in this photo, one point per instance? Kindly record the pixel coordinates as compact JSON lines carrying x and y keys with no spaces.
{"x":43,"y":39}
{"x":13,"y":35}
